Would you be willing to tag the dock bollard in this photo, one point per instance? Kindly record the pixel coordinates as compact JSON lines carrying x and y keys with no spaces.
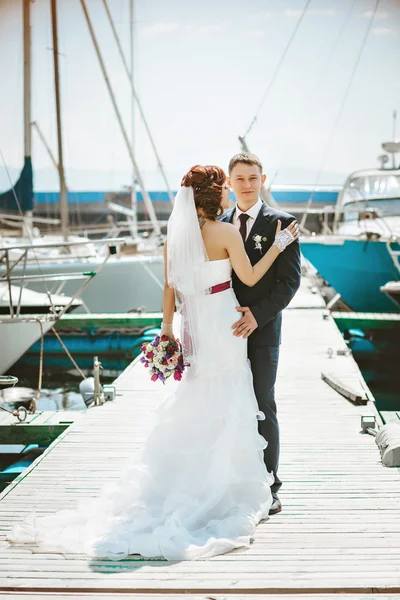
{"x":92,"y":391}
{"x":86,"y":388}
{"x":368,"y":422}
{"x":388,"y":441}
{"x":98,"y":390}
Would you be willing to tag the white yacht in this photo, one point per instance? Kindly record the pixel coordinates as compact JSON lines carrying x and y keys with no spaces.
{"x":370,"y":204}
{"x":123,"y":284}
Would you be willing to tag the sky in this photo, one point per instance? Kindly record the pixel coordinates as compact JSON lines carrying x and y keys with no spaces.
{"x":201,"y":71}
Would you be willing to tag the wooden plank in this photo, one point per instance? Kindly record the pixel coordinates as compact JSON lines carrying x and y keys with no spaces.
{"x":346,"y":390}
{"x":230,"y":596}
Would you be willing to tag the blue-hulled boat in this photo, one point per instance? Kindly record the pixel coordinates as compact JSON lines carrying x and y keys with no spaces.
{"x":362,"y":253}
{"x":356,"y":268}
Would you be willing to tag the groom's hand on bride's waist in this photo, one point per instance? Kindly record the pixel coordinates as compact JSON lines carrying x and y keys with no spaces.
{"x":246,"y":325}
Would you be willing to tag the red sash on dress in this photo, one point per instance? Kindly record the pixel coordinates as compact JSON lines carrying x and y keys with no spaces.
{"x":220,"y":287}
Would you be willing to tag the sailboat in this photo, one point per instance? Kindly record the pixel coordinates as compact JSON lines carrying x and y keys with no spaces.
{"x":126,"y":283}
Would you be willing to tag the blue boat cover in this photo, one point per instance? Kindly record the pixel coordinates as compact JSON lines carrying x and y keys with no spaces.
{"x":23,"y":190}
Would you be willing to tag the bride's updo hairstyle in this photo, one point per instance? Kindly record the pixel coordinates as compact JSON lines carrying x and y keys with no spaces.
{"x":207,"y":183}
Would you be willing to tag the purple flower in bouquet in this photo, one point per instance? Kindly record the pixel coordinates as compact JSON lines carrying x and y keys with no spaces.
{"x":164,"y":357}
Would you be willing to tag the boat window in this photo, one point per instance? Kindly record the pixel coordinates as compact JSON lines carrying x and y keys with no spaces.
{"x":381,"y":185}
{"x":383,"y":207}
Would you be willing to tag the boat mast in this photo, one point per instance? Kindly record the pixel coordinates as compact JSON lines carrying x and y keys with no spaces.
{"x":26,"y":4}
{"x":63,"y":187}
{"x":394,"y":137}
{"x":133,"y":220}
{"x":146,"y":198}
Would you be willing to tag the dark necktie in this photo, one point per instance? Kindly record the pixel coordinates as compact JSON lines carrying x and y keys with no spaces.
{"x":242,"y":229}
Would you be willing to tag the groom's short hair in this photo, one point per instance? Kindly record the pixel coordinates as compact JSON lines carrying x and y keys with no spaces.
{"x":246,"y":158}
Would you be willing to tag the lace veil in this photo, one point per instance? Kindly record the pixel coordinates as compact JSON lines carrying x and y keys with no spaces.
{"x":186,"y":257}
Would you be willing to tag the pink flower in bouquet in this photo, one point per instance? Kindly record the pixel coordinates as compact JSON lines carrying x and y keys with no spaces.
{"x":163,"y":357}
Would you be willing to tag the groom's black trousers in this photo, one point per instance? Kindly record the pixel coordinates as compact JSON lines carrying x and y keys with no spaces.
{"x":264,"y":365}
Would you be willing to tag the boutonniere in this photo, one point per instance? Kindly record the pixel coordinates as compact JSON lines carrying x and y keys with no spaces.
{"x":258,"y":239}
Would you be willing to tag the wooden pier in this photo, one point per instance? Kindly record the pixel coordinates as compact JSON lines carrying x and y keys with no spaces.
{"x":338,"y":534}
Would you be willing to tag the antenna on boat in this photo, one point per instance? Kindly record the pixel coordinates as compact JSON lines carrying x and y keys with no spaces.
{"x":394,"y":124}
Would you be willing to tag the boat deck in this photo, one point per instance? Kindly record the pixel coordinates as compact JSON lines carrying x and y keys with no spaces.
{"x":337,"y":536}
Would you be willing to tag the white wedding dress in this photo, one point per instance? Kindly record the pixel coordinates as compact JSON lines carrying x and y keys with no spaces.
{"x":199,"y":486}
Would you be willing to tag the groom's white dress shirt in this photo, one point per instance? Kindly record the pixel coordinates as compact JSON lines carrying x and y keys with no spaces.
{"x":252,"y":213}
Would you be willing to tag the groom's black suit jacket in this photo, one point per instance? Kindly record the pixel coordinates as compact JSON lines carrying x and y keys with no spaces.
{"x":277,"y":287}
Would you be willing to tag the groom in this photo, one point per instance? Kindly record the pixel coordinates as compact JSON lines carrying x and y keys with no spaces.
{"x":262,"y":304}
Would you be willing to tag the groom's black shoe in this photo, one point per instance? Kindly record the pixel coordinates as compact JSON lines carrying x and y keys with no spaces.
{"x":276,"y":506}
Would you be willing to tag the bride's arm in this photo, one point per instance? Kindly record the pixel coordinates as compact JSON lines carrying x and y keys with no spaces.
{"x":241,"y":264}
{"x":168,"y":302}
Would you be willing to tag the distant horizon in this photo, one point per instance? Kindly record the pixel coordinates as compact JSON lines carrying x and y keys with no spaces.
{"x":90,"y":180}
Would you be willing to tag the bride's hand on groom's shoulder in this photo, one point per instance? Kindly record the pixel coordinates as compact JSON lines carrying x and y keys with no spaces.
{"x":293,"y":227}
{"x":246,"y":325}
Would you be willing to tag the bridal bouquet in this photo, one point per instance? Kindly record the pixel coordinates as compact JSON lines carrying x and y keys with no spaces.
{"x":163,"y":357}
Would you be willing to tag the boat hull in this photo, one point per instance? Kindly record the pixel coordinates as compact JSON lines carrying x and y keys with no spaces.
{"x":356,"y":269}
{"x":16,"y":338}
{"x":124,"y":284}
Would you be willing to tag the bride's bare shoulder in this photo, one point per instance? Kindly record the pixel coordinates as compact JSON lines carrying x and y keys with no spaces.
{"x":227,"y":229}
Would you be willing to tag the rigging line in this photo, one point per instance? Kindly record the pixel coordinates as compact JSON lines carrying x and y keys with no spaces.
{"x":278,"y":67}
{"x":316,"y":85}
{"x":28,"y":234}
{"x":344,"y":100}
{"x":133,"y":90}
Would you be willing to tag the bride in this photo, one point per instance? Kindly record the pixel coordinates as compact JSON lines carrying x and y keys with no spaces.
{"x":199,"y":485}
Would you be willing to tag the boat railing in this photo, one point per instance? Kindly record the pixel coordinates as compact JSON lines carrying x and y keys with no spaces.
{"x":22,"y":280}
{"x":329,"y":217}
{"x":20,"y":220}
{"x":394,"y":254}
{"x":114,"y":228}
